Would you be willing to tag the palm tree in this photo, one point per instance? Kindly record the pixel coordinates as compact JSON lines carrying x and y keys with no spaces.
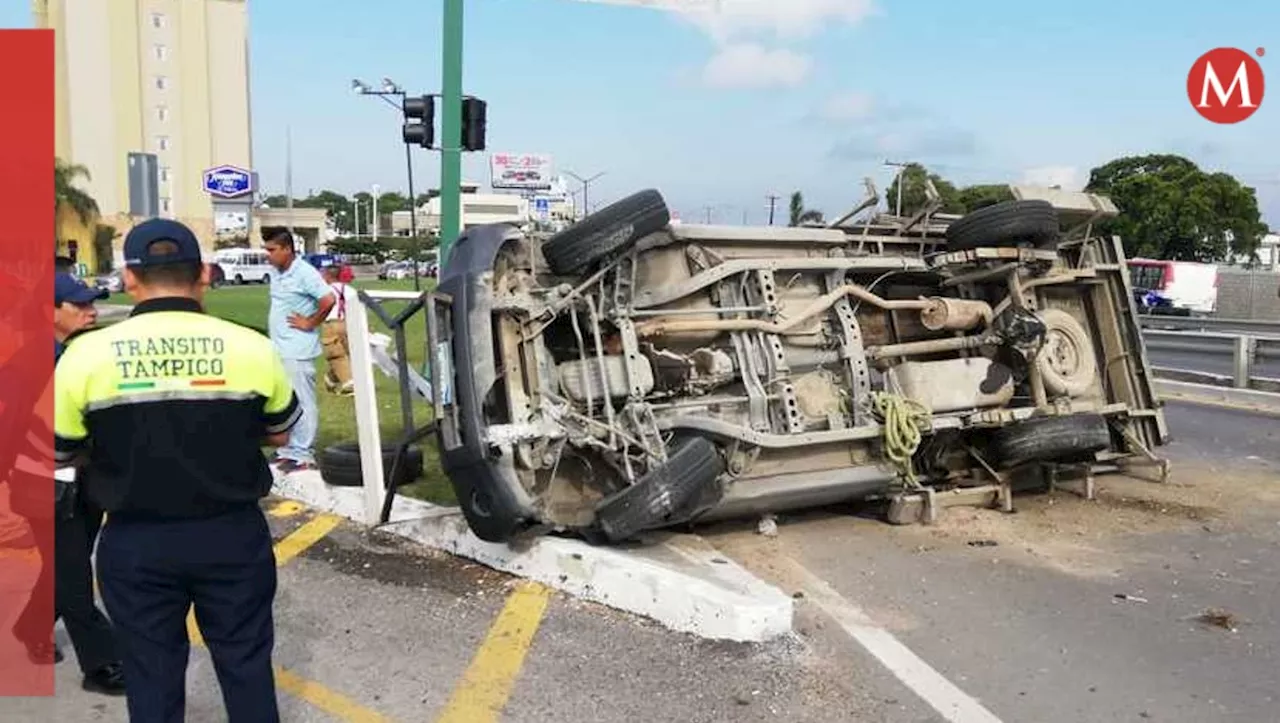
{"x":67,"y":195}
{"x":800,"y":214}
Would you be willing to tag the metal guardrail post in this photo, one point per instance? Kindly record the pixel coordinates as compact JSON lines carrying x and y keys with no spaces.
{"x":1243,"y":361}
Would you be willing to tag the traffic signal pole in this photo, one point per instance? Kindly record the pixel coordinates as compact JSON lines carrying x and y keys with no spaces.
{"x":451,"y":129}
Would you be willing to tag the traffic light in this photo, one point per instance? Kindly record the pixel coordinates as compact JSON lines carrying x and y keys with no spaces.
{"x":473,"y":124}
{"x":420,"y":121}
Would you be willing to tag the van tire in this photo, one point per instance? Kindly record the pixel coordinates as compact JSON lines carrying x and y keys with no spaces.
{"x":666,"y":495}
{"x":607,"y":233}
{"x":1064,"y":439}
{"x":1008,"y":223}
{"x":1073,"y":372}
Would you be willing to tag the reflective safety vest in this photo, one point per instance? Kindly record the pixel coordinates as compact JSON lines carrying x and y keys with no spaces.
{"x":171,"y":407}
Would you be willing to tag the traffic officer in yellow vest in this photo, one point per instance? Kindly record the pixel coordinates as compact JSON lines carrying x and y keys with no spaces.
{"x":169,"y":409}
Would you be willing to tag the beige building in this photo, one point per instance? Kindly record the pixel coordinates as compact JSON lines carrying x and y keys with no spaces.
{"x":482,"y":208}
{"x":167,"y":77}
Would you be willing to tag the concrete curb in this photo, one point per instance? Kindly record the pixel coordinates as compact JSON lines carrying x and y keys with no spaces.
{"x":679,"y":581}
{"x":1249,"y":400}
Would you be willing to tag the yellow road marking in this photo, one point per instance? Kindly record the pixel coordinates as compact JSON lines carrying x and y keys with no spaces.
{"x":339,"y":706}
{"x":483,"y":691}
{"x":305,"y":536}
{"x":286,"y":508}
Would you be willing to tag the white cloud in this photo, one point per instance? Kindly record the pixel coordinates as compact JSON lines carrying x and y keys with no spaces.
{"x":1068,"y":177}
{"x":747,"y":65}
{"x":790,"y":19}
{"x":848,"y":107}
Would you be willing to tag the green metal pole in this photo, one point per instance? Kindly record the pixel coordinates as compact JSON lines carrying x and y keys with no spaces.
{"x":451,"y":129}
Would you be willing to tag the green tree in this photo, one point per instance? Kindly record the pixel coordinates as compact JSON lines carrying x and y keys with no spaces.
{"x":338,"y":206}
{"x":800,"y":214}
{"x":66,"y":194}
{"x":1172,"y":209}
{"x":352,"y":246}
{"x":914,"y":194}
{"x":103,"y":250}
{"x":972,"y":198}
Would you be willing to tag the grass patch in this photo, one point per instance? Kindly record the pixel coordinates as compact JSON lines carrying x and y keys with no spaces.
{"x":248,"y":305}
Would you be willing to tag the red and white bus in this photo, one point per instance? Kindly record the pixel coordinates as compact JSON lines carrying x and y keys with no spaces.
{"x":1181,"y":287}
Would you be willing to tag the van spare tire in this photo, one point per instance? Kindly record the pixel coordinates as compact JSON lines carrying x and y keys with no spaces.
{"x":1008,"y":223}
{"x":607,"y":233}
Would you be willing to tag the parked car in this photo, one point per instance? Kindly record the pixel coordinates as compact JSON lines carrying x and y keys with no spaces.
{"x":630,"y":374}
{"x":112,"y":283}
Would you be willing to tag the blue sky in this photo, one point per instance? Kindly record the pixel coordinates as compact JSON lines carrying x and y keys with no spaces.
{"x":768,"y":97}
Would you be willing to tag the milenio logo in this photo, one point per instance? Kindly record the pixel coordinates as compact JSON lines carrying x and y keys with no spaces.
{"x":1225,"y":85}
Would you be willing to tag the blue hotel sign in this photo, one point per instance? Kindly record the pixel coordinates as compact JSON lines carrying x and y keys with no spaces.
{"x":228,"y":182}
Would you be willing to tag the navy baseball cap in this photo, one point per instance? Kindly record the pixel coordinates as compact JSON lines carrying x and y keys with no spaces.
{"x":138,"y":243}
{"x":67,"y":288}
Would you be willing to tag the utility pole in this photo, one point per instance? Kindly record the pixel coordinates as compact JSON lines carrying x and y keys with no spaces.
{"x":773,"y":200}
{"x":451,"y":128}
{"x":288,"y":173}
{"x":902,"y":167}
{"x":586,"y":183}
{"x":707,"y":210}
{"x":374,"y":229}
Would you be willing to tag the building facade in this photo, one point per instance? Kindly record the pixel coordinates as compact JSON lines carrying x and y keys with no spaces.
{"x":164,"y":77}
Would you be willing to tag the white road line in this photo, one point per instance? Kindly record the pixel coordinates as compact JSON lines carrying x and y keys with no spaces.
{"x":941,"y":694}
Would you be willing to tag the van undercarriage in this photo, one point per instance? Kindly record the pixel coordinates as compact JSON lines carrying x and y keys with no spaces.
{"x":630,"y":373}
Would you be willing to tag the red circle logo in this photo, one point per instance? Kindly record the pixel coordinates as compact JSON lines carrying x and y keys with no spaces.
{"x":1225,"y":85}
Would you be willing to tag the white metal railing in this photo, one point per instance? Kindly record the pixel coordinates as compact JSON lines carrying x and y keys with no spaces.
{"x":370,"y":351}
{"x":1245,"y":350}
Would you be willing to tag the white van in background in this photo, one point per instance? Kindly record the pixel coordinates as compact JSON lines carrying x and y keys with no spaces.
{"x":1183,"y":288}
{"x":243,"y":266}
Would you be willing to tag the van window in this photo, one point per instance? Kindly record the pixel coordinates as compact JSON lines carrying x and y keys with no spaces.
{"x":1146,"y":276}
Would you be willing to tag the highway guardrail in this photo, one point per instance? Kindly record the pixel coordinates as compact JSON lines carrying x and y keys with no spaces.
{"x":1254,"y":327}
{"x":1245,"y":351}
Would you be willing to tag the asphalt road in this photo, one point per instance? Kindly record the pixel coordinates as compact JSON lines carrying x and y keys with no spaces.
{"x":1210,"y":363}
{"x":1015,"y":616}
{"x":1021,"y":611}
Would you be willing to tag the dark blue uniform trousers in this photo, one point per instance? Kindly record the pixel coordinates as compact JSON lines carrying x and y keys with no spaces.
{"x":151,"y":573}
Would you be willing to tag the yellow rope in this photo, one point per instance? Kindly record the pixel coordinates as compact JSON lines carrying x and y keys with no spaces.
{"x":904,"y":420}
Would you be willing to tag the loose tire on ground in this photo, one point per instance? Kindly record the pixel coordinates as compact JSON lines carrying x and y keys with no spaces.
{"x":659,"y":498}
{"x":340,"y":465}
{"x":1064,"y":439}
{"x":1008,"y":223}
{"x":606,"y":233}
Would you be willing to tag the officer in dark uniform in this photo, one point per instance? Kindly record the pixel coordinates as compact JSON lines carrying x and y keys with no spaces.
{"x":75,"y":529}
{"x":169,"y":410}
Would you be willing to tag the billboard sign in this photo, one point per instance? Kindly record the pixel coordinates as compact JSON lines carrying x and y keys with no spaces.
{"x":528,"y":171}
{"x":228,"y":182}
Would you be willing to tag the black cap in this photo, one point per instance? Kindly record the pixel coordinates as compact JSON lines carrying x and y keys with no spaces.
{"x":137,"y":245}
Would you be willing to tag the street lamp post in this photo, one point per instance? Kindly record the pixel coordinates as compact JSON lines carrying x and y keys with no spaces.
{"x":389,"y":88}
